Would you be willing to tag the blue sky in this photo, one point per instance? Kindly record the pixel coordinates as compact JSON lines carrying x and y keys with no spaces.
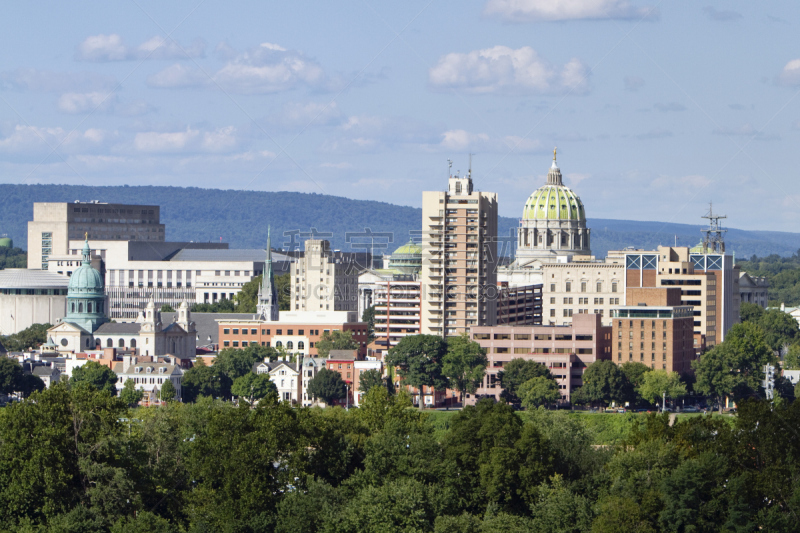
{"x":656,"y":107}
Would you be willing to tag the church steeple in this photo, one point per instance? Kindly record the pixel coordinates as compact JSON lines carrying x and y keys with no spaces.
{"x":267,"y":306}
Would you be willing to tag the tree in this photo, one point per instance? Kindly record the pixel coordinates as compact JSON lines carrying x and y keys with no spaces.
{"x":235,"y":363}
{"x":204,"y":381}
{"x":369,"y":379}
{"x":28,"y":384}
{"x":784,"y":389}
{"x":283,"y":284}
{"x":98,"y":376}
{"x":464,"y":364}
{"x":10,"y":375}
{"x":328,"y":386}
{"x":658,"y":382}
{"x":603,"y":382}
{"x":515,"y":373}
{"x":634,"y":373}
{"x":369,"y":318}
{"x":750,"y":312}
{"x":167,"y":392}
{"x":130,"y":394}
{"x":539,"y":391}
{"x":30,"y":337}
{"x":734,"y":367}
{"x":247,"y":298}
{"x":780,"y":329}
{"x":791,"y":360}
{"x":253,"y":387}
{"x":166,"y":308}
{"x":335,"y":340}
{"x":418,"y":359}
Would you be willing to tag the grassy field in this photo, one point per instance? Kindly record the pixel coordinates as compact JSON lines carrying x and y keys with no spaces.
{"x":606,"y":428}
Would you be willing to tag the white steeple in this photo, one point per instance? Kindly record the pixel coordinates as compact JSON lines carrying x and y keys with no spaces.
{"x":267,"y":307}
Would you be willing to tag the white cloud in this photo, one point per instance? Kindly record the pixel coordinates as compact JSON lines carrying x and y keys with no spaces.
{"x":504,"y":70}
{"x":178,"y":76}
{"x":462,"y":141}
{"x":32,"y":139}
{"x":367,"y":133}
{"x":191,"y":140}
{"x":554,"y":10}
{"x":74,"y":103}
{"x":31,"y":79}
{"x":268,"y":68}
{"x":102,"y":48}
{"x":790,"y":75}
{"x":299,"y":115}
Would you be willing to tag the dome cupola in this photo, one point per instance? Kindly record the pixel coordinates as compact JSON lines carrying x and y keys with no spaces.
{"x":553,"y":221}
{"x":86,"y":297}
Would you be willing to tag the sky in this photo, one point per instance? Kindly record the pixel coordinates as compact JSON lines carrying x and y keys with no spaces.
{"x":657,"y":108}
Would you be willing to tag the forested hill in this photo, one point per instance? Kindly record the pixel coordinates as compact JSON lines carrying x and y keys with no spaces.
{"x":241,"y":218}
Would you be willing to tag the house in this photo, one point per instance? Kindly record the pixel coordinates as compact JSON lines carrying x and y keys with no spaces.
{"x":48,"y":374}
{"x":286,"y":378}
{"x":359,"y":368}
{"x":343,"y":362}
{"x":148,"y":373}
{"x":309,"y":367}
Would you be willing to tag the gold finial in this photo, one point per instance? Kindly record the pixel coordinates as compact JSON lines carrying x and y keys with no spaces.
{"x":86,"y":235}
{"x":554,"y":153}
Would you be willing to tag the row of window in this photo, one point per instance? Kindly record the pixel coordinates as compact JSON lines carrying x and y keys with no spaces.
{"x":584,"y":286}
{"x":265,"y":331}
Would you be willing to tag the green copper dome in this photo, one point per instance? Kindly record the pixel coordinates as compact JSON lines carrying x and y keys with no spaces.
{"x":407,"y":259}
{"x":86,"y":280}
{"x":553,"y":201}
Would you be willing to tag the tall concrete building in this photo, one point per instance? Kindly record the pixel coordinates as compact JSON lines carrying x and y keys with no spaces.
{"x":55,"y":224}
{"x":322,"y":283}
{"x":459,"y":258}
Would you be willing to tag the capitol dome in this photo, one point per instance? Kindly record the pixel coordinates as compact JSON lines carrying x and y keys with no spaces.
{"x":553,"y":221}
{"x":407,"y":259}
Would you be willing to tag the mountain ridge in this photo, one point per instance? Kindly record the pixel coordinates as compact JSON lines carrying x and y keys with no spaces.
{"x":241,"y":219}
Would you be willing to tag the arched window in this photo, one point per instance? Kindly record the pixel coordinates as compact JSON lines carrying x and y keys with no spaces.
{"x":109,"y":343}
{"x":289,"y":345}
{"x":80,"y":307}
{"x":72,"y":307}
{"x":278,"y":344}
{"x":88,"y":342}
{"x":122,"y":343}
{"x":133,"y":343}
{"x":89,"y":307}
{"x":301,"y":345}
{"x":98,"y":343}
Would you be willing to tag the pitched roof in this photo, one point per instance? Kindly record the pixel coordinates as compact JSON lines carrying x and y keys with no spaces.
{"x":42,"y":370}
{"x":345,"y":355}
{"x":118,"y":328}
{"x":206,"y":325}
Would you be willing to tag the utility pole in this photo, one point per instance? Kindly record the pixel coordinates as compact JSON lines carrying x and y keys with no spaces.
{"x":663,"y":401}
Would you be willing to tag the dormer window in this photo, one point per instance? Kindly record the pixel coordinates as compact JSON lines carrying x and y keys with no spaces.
{"x":162,"y":370}
{"x":138,"y":369}
{"x":149,"y":369}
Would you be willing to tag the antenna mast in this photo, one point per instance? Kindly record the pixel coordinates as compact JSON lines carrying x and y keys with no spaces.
{"x":449,"y":167}
{"x":713,"y":239}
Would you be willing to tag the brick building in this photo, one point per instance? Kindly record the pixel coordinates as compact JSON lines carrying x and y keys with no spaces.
{"x":565,"y":350}
{"x":656,"y":330}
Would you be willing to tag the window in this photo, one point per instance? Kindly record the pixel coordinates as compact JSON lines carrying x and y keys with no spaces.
{"x":301,"y":345}
{"x":552,"y":287}
{"x":235,"y":344}
{"x":522,"y":336}
{"x":244,"y":331}
{"x":552,"y":312}
{"x":226,"y":343}
{"x":599,"y":286}
{"x":583,"y":286}
{"x":613,"y":286}
{"x":235,"y":331}
{"x":552,"y":300}
{"x":568,"y":287}
{"x":253,"y":331}
{"x":289,"y":345}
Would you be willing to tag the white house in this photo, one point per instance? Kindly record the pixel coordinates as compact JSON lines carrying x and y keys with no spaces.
{"x":148,"y":376}
{"x":286,"y":378}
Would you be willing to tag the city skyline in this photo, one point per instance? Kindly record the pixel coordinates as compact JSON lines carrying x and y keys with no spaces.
{"x":655,"y":108}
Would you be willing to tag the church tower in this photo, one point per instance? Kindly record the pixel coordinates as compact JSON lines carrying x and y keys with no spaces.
{"x":267,"y":307}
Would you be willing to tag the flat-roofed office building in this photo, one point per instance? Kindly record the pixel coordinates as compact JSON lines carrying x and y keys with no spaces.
{"x":54,"y":225}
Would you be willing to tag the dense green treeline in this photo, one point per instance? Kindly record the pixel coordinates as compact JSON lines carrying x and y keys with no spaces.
{"x":13,"y":258}
{"x":75,"y":459}
{"x":783,"y":274}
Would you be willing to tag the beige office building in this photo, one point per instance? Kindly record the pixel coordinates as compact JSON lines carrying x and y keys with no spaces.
{"x":55,"y":224}
{"x":459,"y":258}
{"x":321,"y":283}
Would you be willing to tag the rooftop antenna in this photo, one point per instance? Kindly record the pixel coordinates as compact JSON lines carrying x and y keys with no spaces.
{"x":469,"y":172}
{"x":449,"y":167}
{"x":713,"y":241}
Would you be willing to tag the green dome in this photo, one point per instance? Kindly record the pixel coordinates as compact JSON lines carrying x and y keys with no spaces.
{"x":553,"y":202}
{"x":407,"y":259}
{"x":409,"y":249}
{"x":85,"y":280}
